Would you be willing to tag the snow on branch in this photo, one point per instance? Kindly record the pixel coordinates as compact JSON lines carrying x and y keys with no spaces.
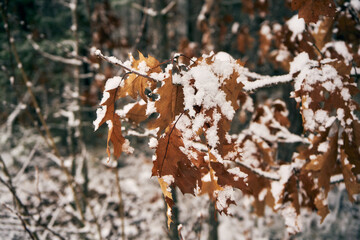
{"x":269,"y":175}
{"x":70,"y":61}
{"x":264,"y":81}
{"x":118,"y":62}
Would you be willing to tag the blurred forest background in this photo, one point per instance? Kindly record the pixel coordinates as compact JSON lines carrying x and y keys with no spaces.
{"x":56,"y":182}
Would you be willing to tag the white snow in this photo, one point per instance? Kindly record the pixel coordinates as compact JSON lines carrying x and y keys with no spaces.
{"x":355,"y":4}
{"x":100,"y":113}
{"x":169,"y":179}
{"x":223,"y":196}
{"x":297,"y":26}
{"x":277,"y":187}
{"x":236,"y":171}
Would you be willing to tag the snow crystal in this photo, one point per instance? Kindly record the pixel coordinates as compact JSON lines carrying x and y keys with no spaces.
{"x":336,"y":178}
{"x":292,"y":221}
{"x":169,"y":179}
{"x":112,"y":83}
{"x":340,"y":48}
{"x":309,"y":123}
{"x":297,"y":26}
{"x":323,"y":147}
{"x":349,"y":121}
{"x":223,"y":196}
{"x":355,"y":4}
{"x":345,"y":94}
{"x":143,"y":67}
{"x":72,"y":6}
{"x":150,"y":108}
{"x":340,"y":113}
{"x":153,"y":142}
{"x":206,"y":83}
{"x":262,"y":194}
{"x":100,"y":113}
{"x":122,"y":112}
{"x":299,"y":62}
{"x":222,"y":64}
{"x":206,"y":178}
{"x":282,"y":55}
{"x":277,"y":187}
{"x":329,"y":86}
{"x":110,"y":124}
{"x":198,"y":122}
{"x":236,"y":171}
{"x":212,"y":136}
{"x":277,"y":27}
{"x":235,"y":28}
{"x":266,"y":31}
{"x":321,"y":116}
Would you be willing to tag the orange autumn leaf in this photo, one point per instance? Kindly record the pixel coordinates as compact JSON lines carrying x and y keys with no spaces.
{"x":169,"y":105}
{"x":135,"y":85}
{"x":108,"y":115}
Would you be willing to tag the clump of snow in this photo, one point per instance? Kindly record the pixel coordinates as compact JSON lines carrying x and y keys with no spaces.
{"x":355,"y":4}
{"x":127,"y":148}
{"x":277,"y":187}
{"x":297,"y":26}
{"x":223,"y":196}
{"x":100,"y":113}
{"x":236,"y":171}
{"x":266,"y":31}
{"x":206,"y":177}
{"x":262,"y":194}
{"x":292,"y":219}
{"x":169,"y":179}
{"x":153,"y":142}
{"x":340,"y":48}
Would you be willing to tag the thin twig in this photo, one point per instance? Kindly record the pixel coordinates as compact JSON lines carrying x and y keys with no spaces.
{"x":260,"y":172}
{"x":121,"y":203}
{"x":117,"y":62}
{"x":313,"y":43}
{"x":24,"y":224}
{"x":54,"y":58}
{"x":153,"y":13}
{"x":38,"y":112}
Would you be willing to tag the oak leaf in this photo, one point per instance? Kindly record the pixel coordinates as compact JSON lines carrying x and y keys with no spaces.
{"x":310,"y":10}
{"x":135,"y":85}
{"x":169,"y":105}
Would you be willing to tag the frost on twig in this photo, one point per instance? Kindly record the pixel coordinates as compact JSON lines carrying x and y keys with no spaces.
{"x":55,"y":58}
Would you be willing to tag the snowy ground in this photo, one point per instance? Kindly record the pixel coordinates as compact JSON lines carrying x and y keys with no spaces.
{"x":41,"y":186}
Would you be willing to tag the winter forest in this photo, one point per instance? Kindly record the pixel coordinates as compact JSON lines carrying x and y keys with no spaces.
{"x":179,"y":119}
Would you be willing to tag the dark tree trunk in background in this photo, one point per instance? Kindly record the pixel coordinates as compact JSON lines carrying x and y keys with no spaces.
{"x":173,"y":231}
{"x":213,"y":222}
{"x":160,"y":45}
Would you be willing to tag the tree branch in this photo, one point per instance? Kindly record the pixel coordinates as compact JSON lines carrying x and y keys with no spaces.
{"x":24,"y":224}
{"x":115,"y":61}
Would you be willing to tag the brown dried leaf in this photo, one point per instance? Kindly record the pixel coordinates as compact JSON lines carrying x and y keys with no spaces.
{"x":350,"y":179}
{"x":114,"y":135}
{"x":169,"y":105}
{"x":134,"y":84}
{"x":170,"y":160}
{"x":310,"y":10}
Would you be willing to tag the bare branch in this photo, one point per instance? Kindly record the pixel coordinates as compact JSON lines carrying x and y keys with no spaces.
{"x":274,"y":176}
{"x":72,"y":61}
{"x":121,"y":203}
{"x":115,"y":61}
{"x":153,"y":13}
{"x":32,"y":236}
